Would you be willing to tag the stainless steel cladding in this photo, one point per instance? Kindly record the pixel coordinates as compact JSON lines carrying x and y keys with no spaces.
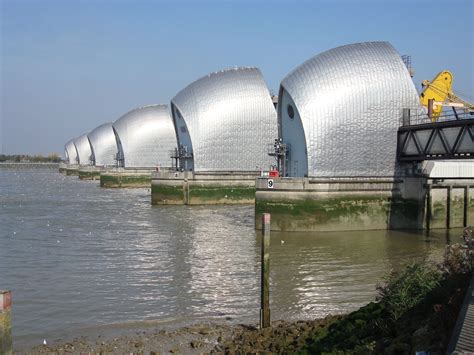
{"x":71,"y":153}
{"x":226,"y":120}
{"x":83,"y":147}
{"x":145,"y":137}
{"x":339,"y":111}
{"x":103,"y":144}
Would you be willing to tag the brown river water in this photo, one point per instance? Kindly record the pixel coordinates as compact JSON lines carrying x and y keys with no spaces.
{"x":76,"y":256}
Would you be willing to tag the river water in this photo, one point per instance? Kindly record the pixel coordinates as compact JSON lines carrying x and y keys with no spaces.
{"x":76,"y":256}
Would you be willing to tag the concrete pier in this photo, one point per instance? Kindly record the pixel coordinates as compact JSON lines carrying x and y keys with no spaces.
{"x":72,"y":170}
{"x":188,"y":188}
{"x":310,"y":204}
{"x":449,"y":203}
{"x":125,"y":178}
{"x":62,"y":168}
{"x":89,"y":172}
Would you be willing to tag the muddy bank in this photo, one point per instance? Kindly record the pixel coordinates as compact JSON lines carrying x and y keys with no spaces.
{"x":369,"y":330}
{"x":196,"y":339}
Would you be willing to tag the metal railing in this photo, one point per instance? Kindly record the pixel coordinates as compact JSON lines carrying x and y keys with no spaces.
{"x":422,"y":118}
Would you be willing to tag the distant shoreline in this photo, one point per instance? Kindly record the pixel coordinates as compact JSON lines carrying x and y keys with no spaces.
{"x":5,"y":164}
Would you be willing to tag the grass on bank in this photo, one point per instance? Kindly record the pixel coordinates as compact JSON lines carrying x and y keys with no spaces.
{"x":417,"y":309}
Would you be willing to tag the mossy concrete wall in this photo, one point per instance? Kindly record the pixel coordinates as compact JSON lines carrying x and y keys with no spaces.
{"x":336,"y":204}
{"x":450,"y":203}
{"x":363,"y":204}
{"x":89,"y":173}
{"x":62,"y":168}
{"x":72,"y":170}
{"x":202,"y":189}
{"x":125,"y":178}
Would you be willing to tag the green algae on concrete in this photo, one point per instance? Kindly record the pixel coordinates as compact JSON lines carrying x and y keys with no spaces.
{"x":167,"y":194}
{"x":210,"y":188}
{"x":72,"y":172}
{"x":406,"y":213}
{"x":439,"y":211}
{"x":326,"y":214}
{"x":180,"y":192}
{"x":122,"y":180}
{"x":457,"y":208}
{"x":89,"y":175}
{"x":213,"y":194}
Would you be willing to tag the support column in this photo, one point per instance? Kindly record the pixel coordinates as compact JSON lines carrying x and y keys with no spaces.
{"x":265,"y":273}
{"x":466,"y":206}
{"x":448,"y":207}
{"x":428,"y":207}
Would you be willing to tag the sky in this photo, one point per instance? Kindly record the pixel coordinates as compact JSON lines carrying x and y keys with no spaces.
{"x":68,"y":66}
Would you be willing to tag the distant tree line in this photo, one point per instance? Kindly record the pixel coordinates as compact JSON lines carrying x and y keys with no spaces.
{"x":21,"y":158}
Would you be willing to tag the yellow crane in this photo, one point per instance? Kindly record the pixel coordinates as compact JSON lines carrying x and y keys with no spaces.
{"x":438,"y":93}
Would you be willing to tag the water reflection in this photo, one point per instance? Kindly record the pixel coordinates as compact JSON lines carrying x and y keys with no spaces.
{"x":75,"y":255}
{"x":320,"y":273}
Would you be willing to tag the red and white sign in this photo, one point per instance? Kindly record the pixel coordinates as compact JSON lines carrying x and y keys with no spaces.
{"x":5,"y":300}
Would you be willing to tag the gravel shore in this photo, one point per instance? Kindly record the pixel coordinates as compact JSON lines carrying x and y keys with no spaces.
{"x":195,"y":339}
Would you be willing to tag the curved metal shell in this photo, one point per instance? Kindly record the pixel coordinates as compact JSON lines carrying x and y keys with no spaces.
{"x":103,"y":145}
{"x":227,"y":119}
{"x":347,"y":104}
{"x":83,"y":148}
{"x":145,"y":137}
{"x":71,"y":153}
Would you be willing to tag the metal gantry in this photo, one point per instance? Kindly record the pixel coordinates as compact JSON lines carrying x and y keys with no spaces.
{"x":445,"y":139}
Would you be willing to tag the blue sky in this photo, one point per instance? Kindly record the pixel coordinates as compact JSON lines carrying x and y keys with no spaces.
{"x":69,"y":66}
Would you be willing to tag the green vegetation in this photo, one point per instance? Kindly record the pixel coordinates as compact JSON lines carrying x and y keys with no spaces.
{"x":20,"y":158}
{"x":416,"y":311}
{"x":410,"y":209}
{"x":406,"y":290}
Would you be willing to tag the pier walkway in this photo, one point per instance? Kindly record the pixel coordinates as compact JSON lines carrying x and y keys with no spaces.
{"x":462,"y":340}
{"x":450,"y":137}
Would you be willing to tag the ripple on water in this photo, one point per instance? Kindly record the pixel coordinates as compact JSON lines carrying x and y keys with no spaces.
{"x":76,"y":255}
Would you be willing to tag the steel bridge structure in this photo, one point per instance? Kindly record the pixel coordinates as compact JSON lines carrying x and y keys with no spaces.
{"x":450,"y":137}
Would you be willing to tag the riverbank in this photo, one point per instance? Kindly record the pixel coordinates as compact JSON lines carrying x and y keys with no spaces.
{"x":195,"y":339}
{"x":424,"y":321}
{"x":426,"y":328}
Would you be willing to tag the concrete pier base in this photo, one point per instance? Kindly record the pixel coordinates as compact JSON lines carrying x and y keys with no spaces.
{"x":188,"y":188}
{"x":306,"y":204}
{"x":72,"y":170}
{"x":89,"y":172}
{"x":62,"y":168}
{"x":125,"y":178}
{"x":450,"y":203}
